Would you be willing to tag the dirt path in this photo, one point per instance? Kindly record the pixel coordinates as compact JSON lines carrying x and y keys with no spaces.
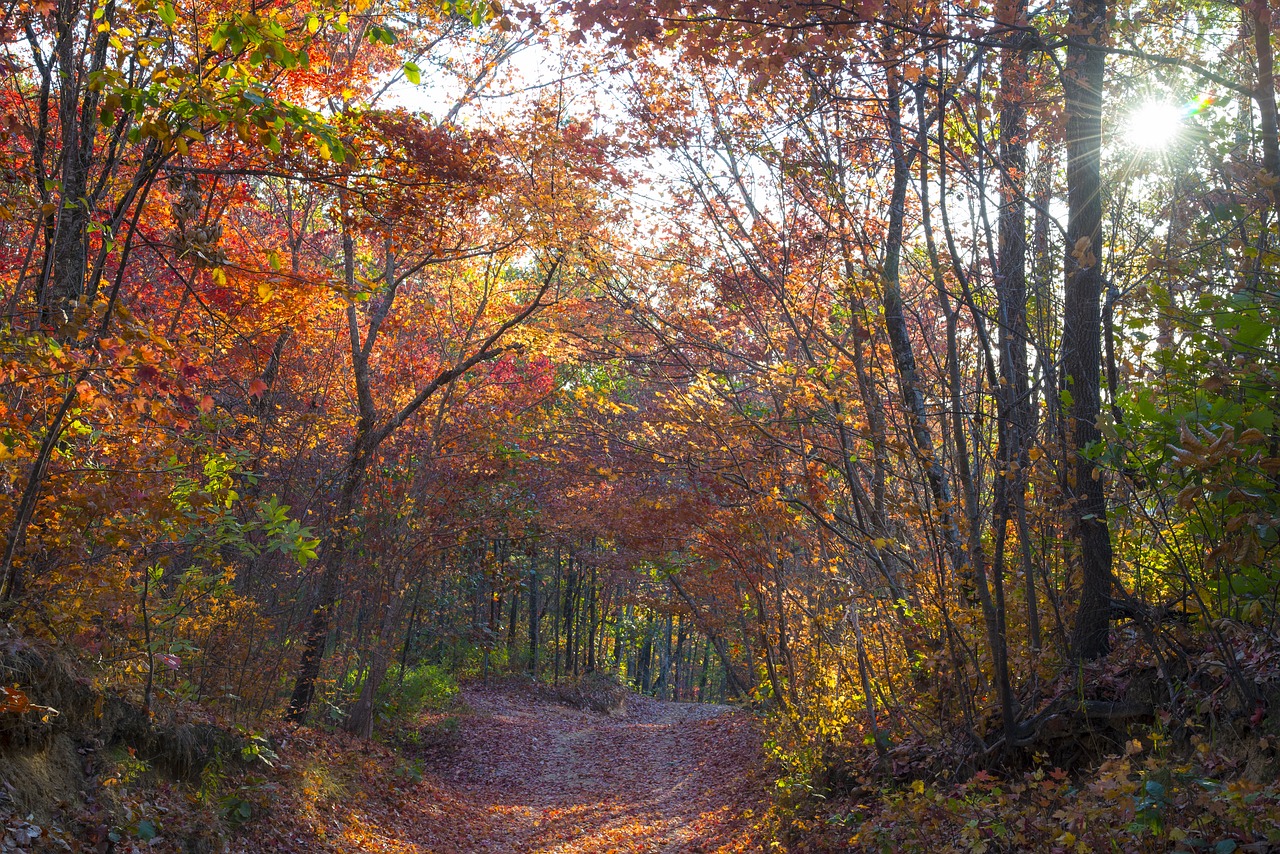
{"x":668,"y":777}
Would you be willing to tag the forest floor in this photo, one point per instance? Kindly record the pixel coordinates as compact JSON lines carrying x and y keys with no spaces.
{"x":515,"y":771}
{"x":667,"y":777}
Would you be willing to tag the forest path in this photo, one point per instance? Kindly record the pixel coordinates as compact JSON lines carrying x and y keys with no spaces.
{"x":668,"y":777}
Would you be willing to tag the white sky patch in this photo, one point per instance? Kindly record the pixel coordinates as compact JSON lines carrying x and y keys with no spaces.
{"x":441,"y":90}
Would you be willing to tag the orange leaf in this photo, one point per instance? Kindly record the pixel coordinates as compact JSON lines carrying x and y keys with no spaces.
{"x":14,"y":700}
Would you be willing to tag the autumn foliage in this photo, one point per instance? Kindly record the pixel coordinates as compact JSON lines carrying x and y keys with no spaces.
{"x":869,"y":364}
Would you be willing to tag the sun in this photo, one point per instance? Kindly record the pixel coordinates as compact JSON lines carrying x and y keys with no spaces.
{"x":1154,"y":125}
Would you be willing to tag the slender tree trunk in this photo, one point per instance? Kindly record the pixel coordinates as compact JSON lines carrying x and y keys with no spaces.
{"x":533,"y":612}
{"x":360,"y":719}
{"x":904,"y":359}
{"x":1011,"y":280}
{"x":333,"y":546}
{"x":681,"y":668}
{"x":555,"y":621}
{"x":570,"y":618}
{"x":643,"y":669}
{"x":988,"y":586}
{"x":733,"y":682}
{"x":591,"y":620}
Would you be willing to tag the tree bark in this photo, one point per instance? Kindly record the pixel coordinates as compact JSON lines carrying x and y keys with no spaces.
{"x":77,"y":118}
{"x":1265,"y":92}
{"x":533,"y":612}
{"x":1082,"y":324}
{"x":904,"y":360}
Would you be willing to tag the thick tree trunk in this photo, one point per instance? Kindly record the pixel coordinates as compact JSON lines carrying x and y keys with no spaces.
{"x":1265,"y":93}
{"x":333,"y":553}
{"x":70,"y":250}
{"x":333,"y":546}
{"x":1082,"y":324}
{"x":1013,"y":396}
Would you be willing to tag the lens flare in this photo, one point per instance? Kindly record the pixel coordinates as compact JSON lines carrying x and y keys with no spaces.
{"x":1156,"y":125}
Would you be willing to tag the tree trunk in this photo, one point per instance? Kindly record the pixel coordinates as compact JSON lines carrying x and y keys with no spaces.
{"x":1082,"y":323}
{"x":533,"y":612}
{"x":1265,"y":92}
{"x":733,"y":681}
{"x":78,"y":120}
{"x":904,"y":359}
{"x":333,"y":552}
{"x":591,"y":628}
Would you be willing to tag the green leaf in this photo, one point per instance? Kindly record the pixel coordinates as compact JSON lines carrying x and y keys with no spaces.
{"x":413,"y":73}
{"x":1263,"y":419}
{"x":381,"y":34}
{"x":168,"y":14}
{"x":1253,"y":331}
{"x":147,"y":830}
{"x":1226,"y":846}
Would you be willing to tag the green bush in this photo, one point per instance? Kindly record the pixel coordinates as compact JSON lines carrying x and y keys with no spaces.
{"x":424,"y":687}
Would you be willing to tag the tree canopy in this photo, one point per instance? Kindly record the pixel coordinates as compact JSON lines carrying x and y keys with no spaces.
{"x":907,"y":370}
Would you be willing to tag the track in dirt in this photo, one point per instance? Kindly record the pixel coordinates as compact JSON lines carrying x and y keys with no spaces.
{"x":667,"y":777}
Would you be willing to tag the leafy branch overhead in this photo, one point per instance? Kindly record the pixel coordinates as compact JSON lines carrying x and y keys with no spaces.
{"x":903,"y":373}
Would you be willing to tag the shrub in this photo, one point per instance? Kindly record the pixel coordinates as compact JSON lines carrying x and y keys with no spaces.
{"x":424,"y":687}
